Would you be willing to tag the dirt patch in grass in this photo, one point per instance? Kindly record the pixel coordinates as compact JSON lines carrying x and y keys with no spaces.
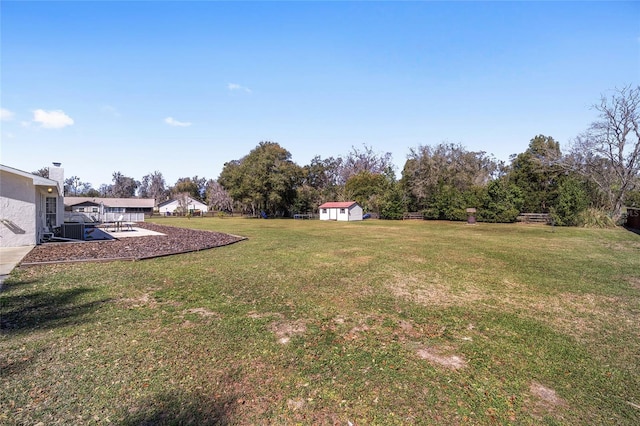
{"x":440,"y":358}
{"x":204,"y":312}
{"x":428,"y":290}
{"x":634,"y":281}
{"x":138,"y":302}
{"x":285,"y":330}
{"x":295,"y":404}
{"x":415,"y":259}
{"x":361,"y":260}
{"x":545,"y":401}
{"x":577,"y":315}
{"x":258,"y":315}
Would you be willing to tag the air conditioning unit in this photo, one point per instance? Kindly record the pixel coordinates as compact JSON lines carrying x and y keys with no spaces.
{"x":74,"y":231}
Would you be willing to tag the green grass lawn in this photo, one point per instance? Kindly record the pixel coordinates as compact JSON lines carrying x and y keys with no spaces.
{"x":311,"y":322}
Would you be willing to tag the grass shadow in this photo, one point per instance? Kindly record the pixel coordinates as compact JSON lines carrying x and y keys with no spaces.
{"x":181,"y":408}
{"x":13,"y":367}
{"x":43,"y":310}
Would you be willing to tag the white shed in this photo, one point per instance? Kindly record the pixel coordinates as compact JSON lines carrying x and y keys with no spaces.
{"x":341,"y":210}
{"x":174,"y":206}
{"x":31,"y":206}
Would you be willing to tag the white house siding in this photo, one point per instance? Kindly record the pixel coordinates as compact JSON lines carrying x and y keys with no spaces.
{"x":354,"y":213}
{"x":345,"y":213}
{"x":17,"y":210}
{"x":173,"y":205}
{"x":169,"y":207}
{"x":342,"y":214}
{"x":349,"y":214}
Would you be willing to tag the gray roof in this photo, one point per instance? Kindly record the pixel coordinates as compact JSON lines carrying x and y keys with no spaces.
{"x":37,"y":180}
{"x":112,"y":202}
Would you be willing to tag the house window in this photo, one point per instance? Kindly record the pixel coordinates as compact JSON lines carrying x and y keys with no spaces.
{"x":324,"y":210}
{"x":94,"y":209}
{"x":81,"y":209}
{"x":50,"y":212}
{"x":341,"y":211}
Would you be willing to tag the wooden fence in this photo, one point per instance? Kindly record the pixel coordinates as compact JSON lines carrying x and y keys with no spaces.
{"x":534,"y":218}
{"x":412,"y":216}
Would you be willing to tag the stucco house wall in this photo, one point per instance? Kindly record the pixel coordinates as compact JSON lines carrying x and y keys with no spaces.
{"x":23,"y":206}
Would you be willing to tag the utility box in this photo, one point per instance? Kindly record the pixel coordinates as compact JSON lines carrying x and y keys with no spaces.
{"x":471,"y":216}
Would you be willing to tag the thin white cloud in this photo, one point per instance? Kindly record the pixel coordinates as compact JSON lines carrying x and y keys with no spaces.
{"x":6,"y":115}
{"x":56,"y":119}
{"x":233,"y":86}
{"x":108,"y":109}
{"x":172,"y":122}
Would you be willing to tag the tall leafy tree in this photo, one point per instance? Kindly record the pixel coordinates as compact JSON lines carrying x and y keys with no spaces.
{"x":367,"y":189}
{"x":123,"y":186}
{"x":436,"y":178}
{"x":266,"y":179}
{"x":319,"y":182}
{"x":537,"y":172}
{"x":608,"y":152}
{"x":194,"y":186}
{"x":392,"y":202}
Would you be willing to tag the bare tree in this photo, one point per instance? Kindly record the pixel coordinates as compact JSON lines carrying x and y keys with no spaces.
{"x":365,"y":160}
{"x":43,"y":172}
{"x":74,"y":186}
{"x":217,"y":197}
{"x":153,"y":186}
{"x":184,"y":199}
{"x":608,"y":152}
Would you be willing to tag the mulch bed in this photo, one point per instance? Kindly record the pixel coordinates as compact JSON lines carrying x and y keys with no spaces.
{"x":175,"y":240}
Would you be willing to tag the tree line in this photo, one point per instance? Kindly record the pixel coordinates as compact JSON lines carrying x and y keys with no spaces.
{"x":592,"y":182}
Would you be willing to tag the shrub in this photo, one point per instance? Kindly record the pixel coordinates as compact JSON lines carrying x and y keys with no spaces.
{"x":572,"y":200}
{"x":501,"y":202}
{"x":595,"y":218}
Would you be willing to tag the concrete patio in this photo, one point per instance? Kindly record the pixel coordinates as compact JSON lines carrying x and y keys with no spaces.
{"x":10,"y":257}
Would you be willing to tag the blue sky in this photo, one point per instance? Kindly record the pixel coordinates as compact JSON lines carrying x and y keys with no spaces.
{"x":183,"y":87}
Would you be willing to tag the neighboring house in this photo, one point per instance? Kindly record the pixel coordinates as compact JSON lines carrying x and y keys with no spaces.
{"x":30,"y":206}
{"x":171,"y":207}
{"x":96,"y":209}
{"x":340,"y":210}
